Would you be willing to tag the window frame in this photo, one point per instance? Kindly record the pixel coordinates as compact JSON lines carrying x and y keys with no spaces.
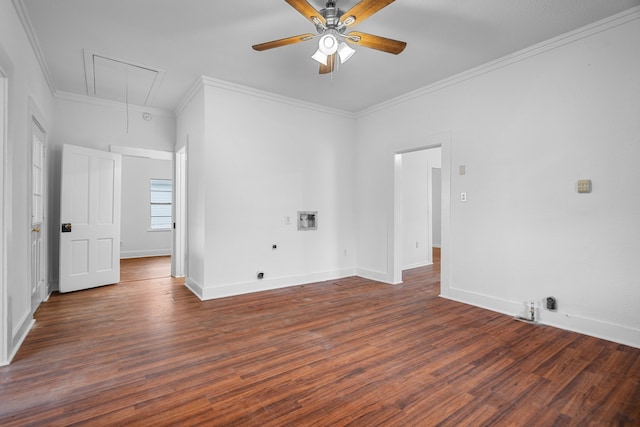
{"x":152,"y":191}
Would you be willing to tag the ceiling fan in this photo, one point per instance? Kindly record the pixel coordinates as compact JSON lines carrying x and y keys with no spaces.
{"x":331,"y":24}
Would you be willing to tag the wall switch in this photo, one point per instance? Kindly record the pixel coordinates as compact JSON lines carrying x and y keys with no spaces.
{"x":584,"y":186}
{"x":463,"y":197}
{"x":417,"y":245}
{"x":287,"y":220}
{"x":462,"y":169}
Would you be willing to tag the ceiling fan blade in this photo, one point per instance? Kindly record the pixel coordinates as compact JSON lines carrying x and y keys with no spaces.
{"x":307,"y":11}
{"x":331,"y":63}
{"x":376,"y":42}
{"x":283,"y":42}
{"x":362,"y":11}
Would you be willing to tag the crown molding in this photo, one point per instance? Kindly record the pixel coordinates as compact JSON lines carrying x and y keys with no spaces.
{"x":74,"y":97}
{"x":237,"y":88}
{"x":193,"y":90}
{"x":21,"y":10}
{"x":521,"y":55}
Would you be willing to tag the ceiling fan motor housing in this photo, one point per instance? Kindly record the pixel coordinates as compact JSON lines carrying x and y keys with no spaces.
{"x":332,"y":15}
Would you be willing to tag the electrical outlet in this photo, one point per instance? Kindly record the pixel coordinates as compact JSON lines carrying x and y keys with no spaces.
{"x":463,"y":197}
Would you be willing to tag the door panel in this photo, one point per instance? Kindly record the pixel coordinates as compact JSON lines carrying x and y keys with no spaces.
{"x":90,"y":202}
{"x":38,"y":290}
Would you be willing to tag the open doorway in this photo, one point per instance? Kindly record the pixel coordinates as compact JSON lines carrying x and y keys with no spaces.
{"x":420,"y":199}
{"x":146,"y":242}
{"x":396,"y":241}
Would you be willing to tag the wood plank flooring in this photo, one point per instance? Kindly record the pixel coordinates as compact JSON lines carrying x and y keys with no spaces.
{"x":343,"y":352}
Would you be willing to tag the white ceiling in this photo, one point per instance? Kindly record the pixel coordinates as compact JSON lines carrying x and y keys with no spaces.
{"x":191,"y":38}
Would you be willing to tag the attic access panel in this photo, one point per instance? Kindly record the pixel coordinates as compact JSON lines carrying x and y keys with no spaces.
{"x":122,"y":81}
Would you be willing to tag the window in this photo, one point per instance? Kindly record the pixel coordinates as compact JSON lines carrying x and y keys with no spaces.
{"x":161,"y":195}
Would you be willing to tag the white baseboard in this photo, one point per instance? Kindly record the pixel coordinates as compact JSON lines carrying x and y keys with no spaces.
{"x":145,"y":253}
{"x":19,"y":339}
{"x":227,"y":290}
{"x":194,"y":287}
{"x":378,"y":276}
{"x":416,"y":265}
{"x":609,"y":331}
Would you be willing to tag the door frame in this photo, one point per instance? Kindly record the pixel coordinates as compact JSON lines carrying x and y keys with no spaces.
{"x":4,"y":122}
{"x":395,"y":241}
{"x":178,"y":257}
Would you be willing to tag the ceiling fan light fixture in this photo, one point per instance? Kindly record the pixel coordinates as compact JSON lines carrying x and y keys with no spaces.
{"x":328,"y":44}
{"x":345,"y":52}
{"x":320,"y":57}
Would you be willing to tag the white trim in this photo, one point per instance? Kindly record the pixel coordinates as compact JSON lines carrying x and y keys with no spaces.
{"x":537,"y":49}
{"x":193,"y":91}
{"x":74,"y":97}
{"x":4,"y":294}
{"x":141,"y":152}
{"x":378,"y":276}
{"x":18,"y":343}
{"x":233,"y":87}
{"x":584,"y":325}
{"x":145,"y":253}
{"x":178,"y":256}
{"x":21,"y":10}
{"x":196,"y":288}
{"x":231,"y":289}
{"x":416,"y":265}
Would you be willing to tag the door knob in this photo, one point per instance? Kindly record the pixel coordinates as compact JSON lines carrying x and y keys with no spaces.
{"x":36,"y":229}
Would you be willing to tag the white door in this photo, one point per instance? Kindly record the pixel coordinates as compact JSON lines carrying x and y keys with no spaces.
{"x":38,"y":291}
{"x":90,"y":218}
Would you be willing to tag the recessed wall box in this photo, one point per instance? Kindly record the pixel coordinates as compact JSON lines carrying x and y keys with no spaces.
{"x":307,"y":220}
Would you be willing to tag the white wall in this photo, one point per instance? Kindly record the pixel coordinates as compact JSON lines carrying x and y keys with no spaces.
{"x":527,"y":128}
{"x":97,"y":124}
{"x":268,"y":157}
{"x":28,"y":93}
{"x":137,"y":240}
{"x":417,"y":212}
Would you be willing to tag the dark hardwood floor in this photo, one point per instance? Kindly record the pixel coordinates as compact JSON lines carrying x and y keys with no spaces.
{"x":342,"y":352}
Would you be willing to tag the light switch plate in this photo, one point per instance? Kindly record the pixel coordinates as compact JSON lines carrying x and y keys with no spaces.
{"x":584,"y":186}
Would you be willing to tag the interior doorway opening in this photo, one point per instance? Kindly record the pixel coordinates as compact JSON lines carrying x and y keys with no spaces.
{"x":396,"y":241}
{"x":420,"y":198}
{"x":149,"y":207}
